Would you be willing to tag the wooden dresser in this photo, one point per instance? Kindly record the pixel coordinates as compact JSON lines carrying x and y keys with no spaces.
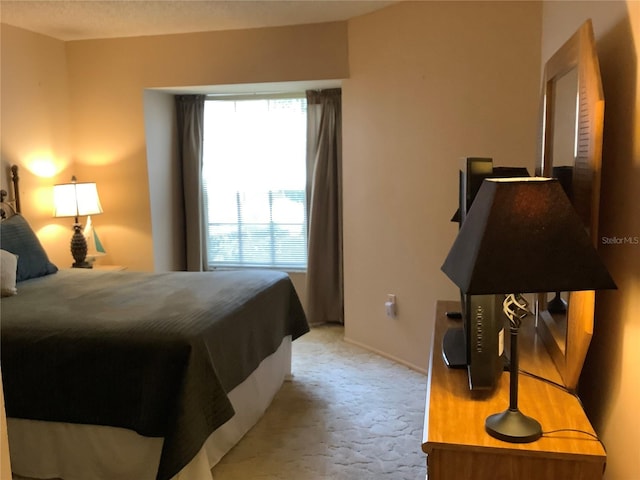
{"x":454,"y":439}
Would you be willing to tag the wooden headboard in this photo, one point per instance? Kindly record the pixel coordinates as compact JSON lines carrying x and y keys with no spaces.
{"x":14,"y":205}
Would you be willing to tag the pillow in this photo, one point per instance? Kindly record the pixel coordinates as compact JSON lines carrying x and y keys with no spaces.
{"x":17,"y":237}
{"x":8,"y":269}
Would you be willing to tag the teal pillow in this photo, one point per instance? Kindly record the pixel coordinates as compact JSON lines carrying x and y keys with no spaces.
{"x":17,"y":237}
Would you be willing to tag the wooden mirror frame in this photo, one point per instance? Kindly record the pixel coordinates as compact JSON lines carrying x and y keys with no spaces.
{"x":578,"y":52}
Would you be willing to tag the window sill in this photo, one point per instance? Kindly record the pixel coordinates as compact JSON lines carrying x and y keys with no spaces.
{"x":280,"y":269}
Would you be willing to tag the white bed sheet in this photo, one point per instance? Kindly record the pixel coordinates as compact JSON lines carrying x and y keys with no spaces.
{"x":90,"y":452}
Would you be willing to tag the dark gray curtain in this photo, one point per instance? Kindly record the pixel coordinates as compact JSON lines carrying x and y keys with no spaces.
{"x":190,"y":116}
{"x":325,"y":301}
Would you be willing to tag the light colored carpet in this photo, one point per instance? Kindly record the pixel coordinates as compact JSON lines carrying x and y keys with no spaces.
{"x":348,"y":414}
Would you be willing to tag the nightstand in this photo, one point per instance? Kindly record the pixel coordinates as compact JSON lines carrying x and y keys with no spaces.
{"x":109,"y":268}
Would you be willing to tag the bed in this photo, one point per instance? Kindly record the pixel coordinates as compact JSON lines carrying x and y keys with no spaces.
{"x":135,"y":375}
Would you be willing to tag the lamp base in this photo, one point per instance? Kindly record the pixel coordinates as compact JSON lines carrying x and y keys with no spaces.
{"x":79,"y":248}
{"x":557,"y":305}
{"x":512,"y":426}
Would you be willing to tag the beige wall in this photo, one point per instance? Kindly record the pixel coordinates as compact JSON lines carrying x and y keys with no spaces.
{"x":35,"y":130}
{"x":167,"y":217}
{"x":431,"y":82}
{"x":610,"y":382}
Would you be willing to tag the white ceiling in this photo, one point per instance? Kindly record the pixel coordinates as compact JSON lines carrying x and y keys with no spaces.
{"x":86,"y":19}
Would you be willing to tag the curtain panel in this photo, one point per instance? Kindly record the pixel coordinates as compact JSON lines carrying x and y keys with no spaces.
{"x":190,"y":120}
{"x":325,"y":302}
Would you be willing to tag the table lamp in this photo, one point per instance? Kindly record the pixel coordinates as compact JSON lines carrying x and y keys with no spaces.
{"x":74,"y":200}
{"x":522,"y":235}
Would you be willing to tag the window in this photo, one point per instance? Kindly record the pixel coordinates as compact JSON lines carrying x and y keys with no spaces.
{"x":254,"y":178}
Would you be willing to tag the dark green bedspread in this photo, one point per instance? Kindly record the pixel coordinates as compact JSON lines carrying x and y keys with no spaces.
{"x":155,"y":353}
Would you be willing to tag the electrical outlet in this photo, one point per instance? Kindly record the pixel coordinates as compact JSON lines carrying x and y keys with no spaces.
{"x":390,"y":306}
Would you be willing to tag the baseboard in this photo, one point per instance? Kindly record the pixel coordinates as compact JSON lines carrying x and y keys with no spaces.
{"x":387,"y":356}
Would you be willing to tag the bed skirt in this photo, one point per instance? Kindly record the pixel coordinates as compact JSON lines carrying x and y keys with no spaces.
{"x":89,"y":452}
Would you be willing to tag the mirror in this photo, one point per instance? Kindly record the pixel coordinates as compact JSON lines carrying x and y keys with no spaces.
{"x":570,"y":150}
{"x":562,"y":130}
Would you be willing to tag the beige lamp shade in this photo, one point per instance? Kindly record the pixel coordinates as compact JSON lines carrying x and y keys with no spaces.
{"x":76,"y":199}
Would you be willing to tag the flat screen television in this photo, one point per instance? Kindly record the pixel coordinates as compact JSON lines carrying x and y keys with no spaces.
{"x":478,"y":343}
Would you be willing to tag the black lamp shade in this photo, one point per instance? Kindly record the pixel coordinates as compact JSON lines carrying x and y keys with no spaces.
{"x":523,"y":235}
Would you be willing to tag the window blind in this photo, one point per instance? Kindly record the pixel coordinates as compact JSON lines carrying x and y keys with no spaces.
{"x":254,"y":182}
